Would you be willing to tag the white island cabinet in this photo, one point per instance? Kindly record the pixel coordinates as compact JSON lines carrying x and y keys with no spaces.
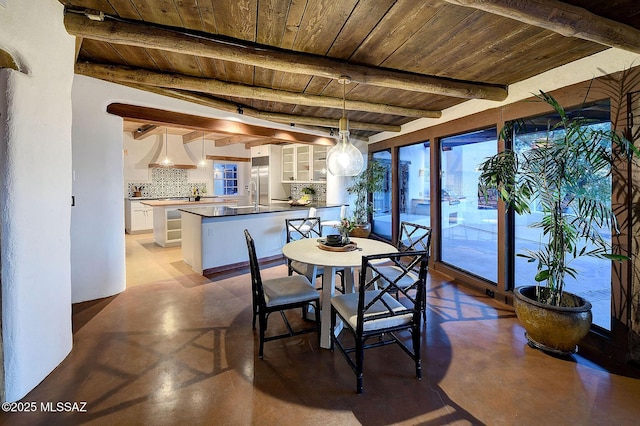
{"x":213,"y":237}
{"x":167,"y":221}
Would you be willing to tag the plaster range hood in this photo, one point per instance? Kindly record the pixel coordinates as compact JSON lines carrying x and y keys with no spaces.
{"x":174,"y":150}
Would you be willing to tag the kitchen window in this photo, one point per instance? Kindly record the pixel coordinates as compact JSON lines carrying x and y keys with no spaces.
{"x":225,"y":179}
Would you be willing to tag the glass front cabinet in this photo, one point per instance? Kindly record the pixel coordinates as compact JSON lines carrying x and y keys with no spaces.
{"x":304,"y":163}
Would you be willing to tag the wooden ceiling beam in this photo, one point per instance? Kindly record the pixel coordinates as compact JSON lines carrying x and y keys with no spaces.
{"x":153,"y":37}
{"x":264,"y":115}
{"x":193,"y":136}
{"x":248,"y":145}
{"x":215,"y":125}
{"x":144,"y":131}
{"x":231,"y":140}
{"x":117,"y":74}
{"x":562,"y":18}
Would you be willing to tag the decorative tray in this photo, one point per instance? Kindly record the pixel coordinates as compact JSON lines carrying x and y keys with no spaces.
{"x":299,"y":203}
{"x":342,"y":247}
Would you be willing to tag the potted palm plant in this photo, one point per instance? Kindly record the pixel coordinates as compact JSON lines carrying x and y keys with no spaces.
{"x":370,"y":180}
{"x":555,"y":174}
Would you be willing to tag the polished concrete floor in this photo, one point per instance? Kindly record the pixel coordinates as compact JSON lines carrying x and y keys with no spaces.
{"x":176,"y":348}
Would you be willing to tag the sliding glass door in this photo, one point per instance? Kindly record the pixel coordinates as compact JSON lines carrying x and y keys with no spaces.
{"x":382,"y":201}
{"x":413,"y":177}
{"x":594,"y":274}
{"x":468,"y":225}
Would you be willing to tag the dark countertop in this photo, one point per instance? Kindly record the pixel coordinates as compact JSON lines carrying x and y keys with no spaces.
{"x":204,"y":197}
{"x":223,"y":211}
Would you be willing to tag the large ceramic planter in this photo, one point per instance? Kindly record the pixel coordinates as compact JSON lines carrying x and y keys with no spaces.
{"x":555,"y":329}
{"x":361,"y":231}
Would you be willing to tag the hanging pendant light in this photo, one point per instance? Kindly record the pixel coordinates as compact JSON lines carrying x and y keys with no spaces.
{"x":166,"y":162}
{"x":203,"y":158}
{"x":344,"y":159}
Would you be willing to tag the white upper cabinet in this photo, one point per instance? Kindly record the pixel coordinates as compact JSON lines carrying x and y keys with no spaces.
{"x":304,"y":163}
{"x":260,"y":151}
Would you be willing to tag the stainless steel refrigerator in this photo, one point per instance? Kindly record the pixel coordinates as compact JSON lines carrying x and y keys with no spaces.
{"x":260,"y":175}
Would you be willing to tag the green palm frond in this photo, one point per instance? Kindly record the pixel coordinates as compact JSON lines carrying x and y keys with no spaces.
{"x":560,"y":175}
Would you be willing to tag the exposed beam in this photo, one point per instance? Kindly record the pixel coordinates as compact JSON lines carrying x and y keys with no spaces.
{"x":264,"y":115}
{"x":175,"y":166}
{"x":248,"y":145}
{"x":562,"y":18}
{"x":221,"y":88}
{"x":143,"y":132}
{"x":231,"y":140}
{"x":153,"y":37}
{"x":225,"y":158}
{"x":78,"y":46}
{"x":192,"y":136}
{"x":216,"y":125}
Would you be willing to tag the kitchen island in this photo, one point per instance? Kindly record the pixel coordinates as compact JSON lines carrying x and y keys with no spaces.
{"x":167,"y":222}
{"x":213,"y":237}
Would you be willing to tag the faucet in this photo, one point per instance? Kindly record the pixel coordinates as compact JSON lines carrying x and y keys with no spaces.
{"x":255,"y":193}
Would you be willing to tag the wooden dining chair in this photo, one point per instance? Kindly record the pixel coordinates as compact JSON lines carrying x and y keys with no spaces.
{"x":309,"y":227}
{"x":279,"y":295}
{"x":376,"y":314}
{"x":413,"y":237}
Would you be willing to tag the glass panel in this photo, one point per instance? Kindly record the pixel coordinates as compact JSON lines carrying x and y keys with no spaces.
{"x":469,"y":238}
{"x":414,"y":183}
{"x":382,"y":200}
{"x":225,"y":179}
{"x":594,"y":274}
{"x":320,"y":163}
{"x":302,"y":166}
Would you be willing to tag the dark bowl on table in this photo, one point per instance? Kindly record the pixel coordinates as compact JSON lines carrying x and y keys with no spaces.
{"x":334,"y":240}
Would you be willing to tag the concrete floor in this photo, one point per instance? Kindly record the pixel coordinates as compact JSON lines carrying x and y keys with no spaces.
{"x":176,"y":348}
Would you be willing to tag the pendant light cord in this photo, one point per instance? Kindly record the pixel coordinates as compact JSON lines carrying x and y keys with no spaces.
{"x":344,"y":102}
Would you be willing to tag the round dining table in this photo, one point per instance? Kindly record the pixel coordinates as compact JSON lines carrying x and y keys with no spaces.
{"x":308,"y":250}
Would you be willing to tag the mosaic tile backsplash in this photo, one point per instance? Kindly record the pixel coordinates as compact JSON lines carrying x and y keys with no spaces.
{"x":167,"y":183}
{"x":319,"y":197}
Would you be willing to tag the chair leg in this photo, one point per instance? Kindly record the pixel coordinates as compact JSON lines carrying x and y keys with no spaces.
{"x":316,"y":308}
{"x":255,"y":312}
{"x":253,"y":325}
{"x":332,"y":329}
{"x":263,"y":327}
{"x":415,"y":334}
{"x":359,"y":364}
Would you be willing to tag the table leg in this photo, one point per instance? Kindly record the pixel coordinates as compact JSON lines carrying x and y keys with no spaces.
{"x":349,"y":286}
{"x":328,"y":291}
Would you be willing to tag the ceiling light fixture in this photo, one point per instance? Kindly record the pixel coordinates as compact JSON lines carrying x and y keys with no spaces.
{"x":166,"y":162}
{"x":344,"y":159}
{"x":203,"y":159}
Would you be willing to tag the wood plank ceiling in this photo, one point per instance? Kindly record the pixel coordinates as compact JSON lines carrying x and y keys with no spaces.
{"x":281,"y":59}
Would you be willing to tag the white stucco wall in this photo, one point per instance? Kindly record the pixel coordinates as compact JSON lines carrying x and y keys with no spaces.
{"x":36,"y":193}
{"x":97,"y":226}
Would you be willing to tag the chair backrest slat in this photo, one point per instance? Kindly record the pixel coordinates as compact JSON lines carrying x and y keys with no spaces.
{"x":306,"y":227}
{"x":254,"y":267}
{"x":414,"y":237}
{"x":402,"y":273}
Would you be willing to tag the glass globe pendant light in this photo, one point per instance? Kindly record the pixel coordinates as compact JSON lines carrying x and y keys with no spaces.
{"x":344,"y":159}
{"x":166,"y":162}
